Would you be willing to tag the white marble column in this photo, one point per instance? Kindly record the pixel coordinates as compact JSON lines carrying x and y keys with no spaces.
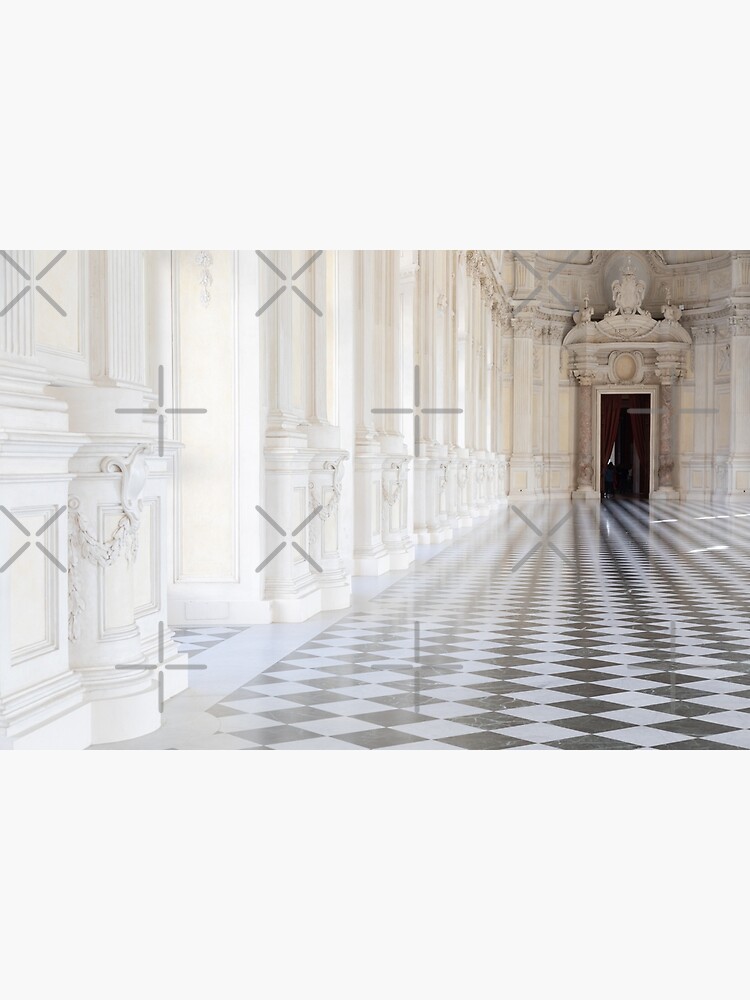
{"x":697,"y":467}
{"x":522,"y":464}
{"x":291,"y":578}
{"x":396,"y":526}
{"x":585,"y":465}
{"x":429,"y":394}
{"x":408,"y":268}
{"x":81,"y":445}
{"x":104,"y":523}
{"x":371,"y":557}
{"x":119,"y":518}
{"x":739,"y":459}
{"x":557,"y":463}
{"x":666,"y":457}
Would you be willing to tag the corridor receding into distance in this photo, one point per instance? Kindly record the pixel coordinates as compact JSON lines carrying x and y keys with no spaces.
{"x":630,"y":633}
{"x":398,"y":499}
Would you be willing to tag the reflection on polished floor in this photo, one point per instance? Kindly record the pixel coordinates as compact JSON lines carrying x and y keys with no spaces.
{"x":621,"y":625}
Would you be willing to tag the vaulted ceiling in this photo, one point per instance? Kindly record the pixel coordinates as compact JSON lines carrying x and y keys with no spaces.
{"x":668,"y":256}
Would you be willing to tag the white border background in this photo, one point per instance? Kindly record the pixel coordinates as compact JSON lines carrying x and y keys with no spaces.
{"x":337,"y":875}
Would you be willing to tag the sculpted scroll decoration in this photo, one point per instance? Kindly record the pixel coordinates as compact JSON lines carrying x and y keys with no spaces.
{"x":84,"y":546}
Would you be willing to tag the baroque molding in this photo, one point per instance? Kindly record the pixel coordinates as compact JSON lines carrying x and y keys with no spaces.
{"x":204,"y":260}
{"x":443,"y":481}
{"x":331,"y":506}
{"x":391,"y":496}
{"x":463,"y":475}
{"x":84,"y":546}
{"x":480,"y":270}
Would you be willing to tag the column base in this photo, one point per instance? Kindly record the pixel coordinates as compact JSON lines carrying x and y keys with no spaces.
{"x":57,"y":719}
{"x":126,"y":716}
{"x":71,"y":731}
{"x":217,"y":612}
{"x":335,"y":597}
{"x":401,"y":560}
{"x":666,"y":493}
{"x":296,"y":609}
{"x":372,"y":565}
{"x":585,"y":493}
{"x":433,"y":536}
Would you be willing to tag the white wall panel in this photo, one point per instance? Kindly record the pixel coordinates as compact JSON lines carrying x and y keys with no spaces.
{"x":206,"y":366}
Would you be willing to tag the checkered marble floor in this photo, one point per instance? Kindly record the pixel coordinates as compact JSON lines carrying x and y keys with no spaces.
{"x":630,"y":633}
{"x":195,"y":640}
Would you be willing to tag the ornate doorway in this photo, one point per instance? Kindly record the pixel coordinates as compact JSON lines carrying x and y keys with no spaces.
{"x":626,"y":352}
{"x":625,"y":441}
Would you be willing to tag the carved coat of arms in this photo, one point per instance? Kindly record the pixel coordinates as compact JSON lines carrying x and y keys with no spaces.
{"x":627,"y":294}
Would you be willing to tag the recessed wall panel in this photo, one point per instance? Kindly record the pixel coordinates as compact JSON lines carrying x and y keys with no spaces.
{"x":206,"y":363}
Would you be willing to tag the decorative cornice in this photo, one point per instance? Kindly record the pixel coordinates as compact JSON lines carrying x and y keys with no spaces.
{"x":480,"y":270}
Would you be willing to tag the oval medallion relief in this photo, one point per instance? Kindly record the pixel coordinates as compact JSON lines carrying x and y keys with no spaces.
{"x":626,"y":367}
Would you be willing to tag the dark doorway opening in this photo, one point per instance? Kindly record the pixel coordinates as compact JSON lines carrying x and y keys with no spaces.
{"x":625,"y":442}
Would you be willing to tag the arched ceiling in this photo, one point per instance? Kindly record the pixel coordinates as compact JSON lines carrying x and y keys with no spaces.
{"x":691,"y":256}
{"x":668,"y":256}
{"x":567,"y":256}
{"x":561,"y":279}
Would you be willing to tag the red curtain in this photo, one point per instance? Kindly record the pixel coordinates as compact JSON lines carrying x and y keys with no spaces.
{"x":640,"y":425}
{"x":610,"y":422}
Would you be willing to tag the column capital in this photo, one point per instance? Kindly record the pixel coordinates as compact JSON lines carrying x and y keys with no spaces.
{"x":523,"y":328}
{"x":739,"y":326}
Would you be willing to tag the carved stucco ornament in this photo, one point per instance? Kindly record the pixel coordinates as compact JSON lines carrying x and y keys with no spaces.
{"x":204,"y":260}
{"x":627,"y":321}
{"x":392,"y":494}
{"x":84,"y":546}
{"x":331,"y":506}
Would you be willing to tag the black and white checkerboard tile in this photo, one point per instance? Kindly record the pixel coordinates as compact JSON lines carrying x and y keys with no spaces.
{"x":634,"y":634}
{"x":197,"y":640}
